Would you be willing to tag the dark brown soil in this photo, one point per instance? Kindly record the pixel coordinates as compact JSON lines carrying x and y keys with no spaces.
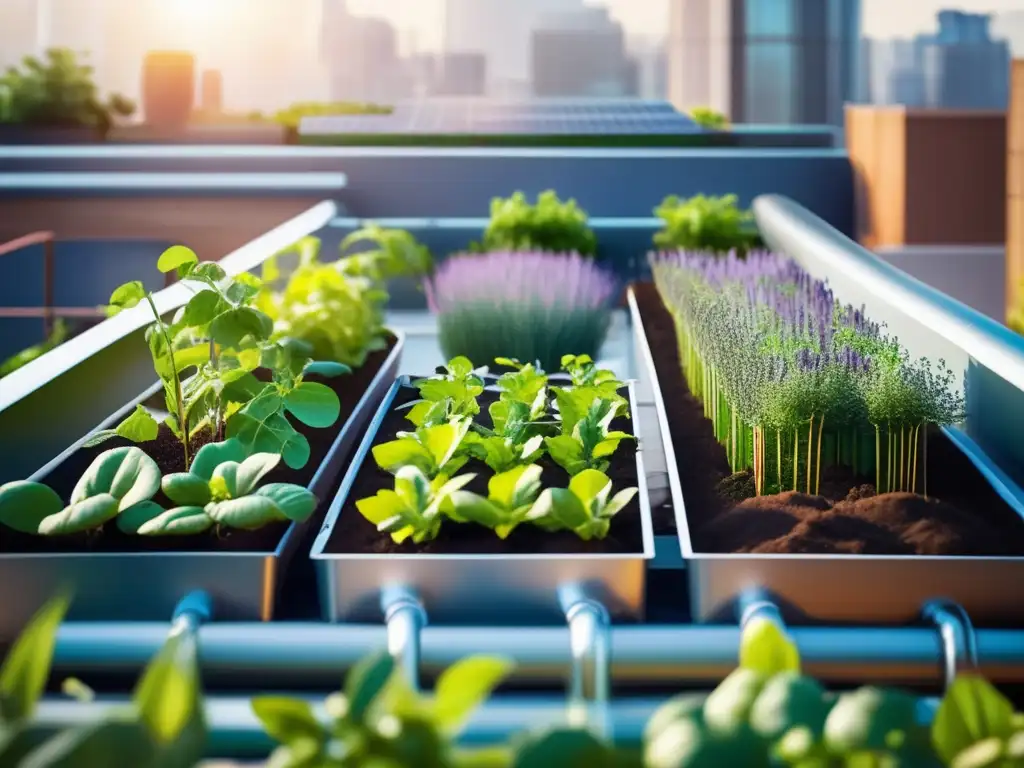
{"x":963,"y":515}
{"x":354,"y":534}
{"x":167,"y":452}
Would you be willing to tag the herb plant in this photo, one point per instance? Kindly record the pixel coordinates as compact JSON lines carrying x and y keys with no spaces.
{"x":528,"y":305}
{"x":590,"y":442}
{"x":793,"y":381}
{"x":449,"y":394}
{"x":432,"y":450}
{"x":586,"y":507}
{"x":221,"y":489}
{"x":413,"y":509}
{"x":715,"y":224}
{"x":118,"y":481}
{"x":511,"y":497}
{"x":550,"y":225}
{"x":379,"y":720}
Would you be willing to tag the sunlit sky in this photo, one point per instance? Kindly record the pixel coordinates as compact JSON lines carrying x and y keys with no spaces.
{"x":882,"y":18}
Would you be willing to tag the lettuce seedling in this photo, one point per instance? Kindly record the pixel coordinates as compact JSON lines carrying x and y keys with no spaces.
{"x":378,"y":720}
{"x":432,"y":450}
{"x":221,"y":489}
{"x":510,"y":498}
{"x":583,"y":508}
{"x":588,"y":383}
{"x":525,"y":384}
{"x":414,"y":508}
{"x":514,"y":440}
{"x":117,"y":481}
{"x":450,"y":394}
{"x":590,"y":442}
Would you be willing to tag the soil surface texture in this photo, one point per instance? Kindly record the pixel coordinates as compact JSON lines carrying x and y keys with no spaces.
{"x":962,"y":514}
{"x":167,"y":452}
{"x":354,"y":534}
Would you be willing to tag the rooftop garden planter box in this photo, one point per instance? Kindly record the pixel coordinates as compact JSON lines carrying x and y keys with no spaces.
{"x":462,"y":570}
{"x":831,"y":550}
{"x":120,"y":577}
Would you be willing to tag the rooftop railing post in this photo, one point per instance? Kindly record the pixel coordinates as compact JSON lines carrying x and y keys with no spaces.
{"x":589,"y":690}
{"x":48,"y":301}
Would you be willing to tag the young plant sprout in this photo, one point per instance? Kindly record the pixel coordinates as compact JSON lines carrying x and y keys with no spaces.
{"x":590,"y":442}
{"x":449,"y":394}
{"x":793,"y":381}
{"x":221,"y":489}
{"x":432,"y":450}
{"x":510,"y":498}
{"x":586,"y":507}
{"x":413,"y":508}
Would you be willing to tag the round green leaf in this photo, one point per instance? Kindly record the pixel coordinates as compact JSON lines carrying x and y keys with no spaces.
{"x":326,"y":369}
{"x":24,"y":504}
{"x":248,"y":513}
{"x":394,"y":455}
{"x":174,"y":257}
{"x":127,"y":474}
{"x":862,"y":720}
{"x":293,"y":501}
{"x":208,"y":271}
{"x":286,"y":720}
{"x":90,"y":513}
{"x":727,"y":707}
{"x":125,"y":297}
{"x":186,"y":489}
{"x":789,"y":700}
{"x":231,"y":328}
{"x":138,"y":515}
{"x":315,"y":405}
{"x":242,"y":478}
{"x":464,"y":686}
{"x":180,"y":521}
{"x":203,"y":308}
{"x":212,"y":455}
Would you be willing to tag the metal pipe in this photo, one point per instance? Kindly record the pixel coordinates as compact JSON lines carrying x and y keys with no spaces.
{"x":956,"y":632}
{"x":666,"y":654}
{"x":590,"y":659}
{"x":404,"y":618}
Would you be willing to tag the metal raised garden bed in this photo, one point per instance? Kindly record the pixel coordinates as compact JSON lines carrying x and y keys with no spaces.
{"x":879,"y":588}
{"x":463,"y":588}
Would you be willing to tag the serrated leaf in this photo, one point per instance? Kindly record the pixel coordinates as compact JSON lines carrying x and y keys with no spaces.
{"x":87,"y":514}
{"x":174,"y":257}
{"x":179,"y":521}
{"x":127,"y":474}
{"x":139,"y":427}
{"x":315,"y":405}
{"x":25,"y":504}
{"x":464,"y":686}
{"x":27,"y":665}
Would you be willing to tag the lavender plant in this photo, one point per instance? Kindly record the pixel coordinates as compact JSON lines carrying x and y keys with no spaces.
{"x":792,"y":380}
{"x":531,"y":306}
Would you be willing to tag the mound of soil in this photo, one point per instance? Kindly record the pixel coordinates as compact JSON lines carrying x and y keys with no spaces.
{"x":962,"y":516}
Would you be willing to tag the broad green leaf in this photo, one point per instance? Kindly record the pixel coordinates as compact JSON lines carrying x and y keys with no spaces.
{"x":243,"y":289}
{"x":203,"y":308}
{"x":125,"y":297}
{"x":464,"y":686}
{"x":442,"y":441}
{"x":618,"y":502}
{"x":174,"y":257}
{"x":87,"y":514}
{"x":231,"y":328}
{"x":590,"y":485}
{"x":293,"y":501}
{"x":971,"y":711}
{"x":413,"y":487}
{"x":180,"y":521}
{"x":562,"y":506}
{"x":460,"y":367}
{"x":209,"y":272}
{"x":565,"y":451}
{"x":115,"y":741}
{"x":516,"y":487}
{"x":127,"y":474}
{"x":385,"y":505}
{"x":139,"y":427}
{"x":168,"y":694}
{"x":286,"y":720}
{"x":394,"y":455}
{"x":474,"y":508}
{"x":325,"y":369}
{"x":562,"y":748}
{"x":249,"y":513}
{"x":212,"y":455}
{"x":138,"y":515}
{"x":766,"y":649}
{"x":862,"y":720}
{"x":241,"y":479}
{"x":315,"y":405}
{"x":789,"y":700}
{"x":27,"y":665}
{"x":262,"y":429}
{"x":24,"y":504}
{"x":365,"y":681}
{"x":727,"y":708}
{"x":186,"y":488}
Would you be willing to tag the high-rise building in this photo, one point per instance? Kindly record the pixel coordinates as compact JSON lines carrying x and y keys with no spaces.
{"x":581,"y":53}
{"x":765,"y":61}
{"x":500,"y":30}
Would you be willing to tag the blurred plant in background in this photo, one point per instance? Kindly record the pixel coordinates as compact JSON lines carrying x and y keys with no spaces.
{"x":705,"y":223}
{"x":531,"y":306}
{"x":549,"y":225}
{"x":709,"y":118}
{"x":58,"y":92}
{"x":58,"y":336}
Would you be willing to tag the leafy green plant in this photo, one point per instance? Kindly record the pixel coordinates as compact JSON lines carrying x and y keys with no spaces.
{"x":549,"y":225}
{"x":222,"y":490}
{"x":414,"y":508}
{"x":118,"y":481}
{"x":450,"y":394}
{"x":586,"y":507}
{"x":705,"y":223}
{"x":590,"y":443}
{"x":57,"y":336}
{"x":432,"y":450}
{"x":709,"y":118}
{"x":58,"y":92}
{"x":511,"y":496}
{"x":379,"y":720}
{"x":162,"y":727}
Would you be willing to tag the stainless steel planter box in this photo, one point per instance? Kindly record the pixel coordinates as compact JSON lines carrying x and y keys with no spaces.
{"x":147,"y":585}
{"x":879,"y":589}
{"x":477,"y":588}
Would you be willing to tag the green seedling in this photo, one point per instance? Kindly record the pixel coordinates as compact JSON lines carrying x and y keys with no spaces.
{"x":450,"y":394}
{"x":586,"y":507}
{"x":591,"y":442}
{"x":432,"y":450}
{"x":510,"y":498}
